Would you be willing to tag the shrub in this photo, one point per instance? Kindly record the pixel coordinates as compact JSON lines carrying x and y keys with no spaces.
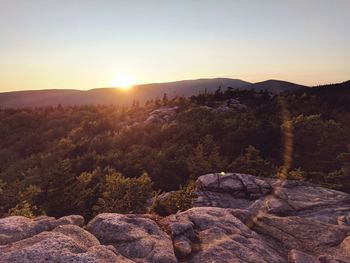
{"x":124,"y":195}
{"x":23,"y":209}
{"x":180,"y":200}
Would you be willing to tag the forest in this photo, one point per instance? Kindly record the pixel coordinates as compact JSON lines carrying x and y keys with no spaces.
{"x":97,"y":158}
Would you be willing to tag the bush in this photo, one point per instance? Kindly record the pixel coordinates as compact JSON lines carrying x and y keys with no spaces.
{"x":296,"y":174}
{"x":124,"y":195}
{"x":180,"y":200}
{"x":23,"y":209}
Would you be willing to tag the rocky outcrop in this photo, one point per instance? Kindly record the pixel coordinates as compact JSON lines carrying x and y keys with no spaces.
{"x":237,"y":218}
{"x":15,"y":228}
{"x":230,"y":190}
{"x":65,"y":243}
{"x":215,"y":235}
{"x":273,"y":196}
{"x":162,"y":115}
{"x":289,"y":214}
{"x":136,"y":237}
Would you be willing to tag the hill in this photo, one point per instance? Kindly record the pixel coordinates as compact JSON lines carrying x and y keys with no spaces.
{"x":107,"y":96}
{"x":276,"y":86}
{"x":142,"y":93}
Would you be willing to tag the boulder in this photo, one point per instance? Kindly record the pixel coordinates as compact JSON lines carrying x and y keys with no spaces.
{"x":237,"y":218}
{"x":207,"y":234}
{"x":300,"y":233}
{"x":71,"y":220}
{"x":15,"y":228}
{"x":136,"y":237}
{"x":282,"y":198}
{"x":68,"y":243}
{"x":297,"y":217}
{"x":230,"y":190}
{"x":297,"y":198}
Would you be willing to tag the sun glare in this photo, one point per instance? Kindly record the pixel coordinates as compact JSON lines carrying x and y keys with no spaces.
{"x":123,"y":82}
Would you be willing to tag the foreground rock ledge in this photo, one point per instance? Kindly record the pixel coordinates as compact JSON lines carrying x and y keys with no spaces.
{"x":238,"y":218}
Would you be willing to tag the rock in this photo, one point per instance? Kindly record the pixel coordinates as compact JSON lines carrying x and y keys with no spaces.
{"x":230,"y":190}
{"x":283,"y":198}
{"x":71,"y":220}
{"x":228,"y":105}
{"x":306,"y":200}
{"x":285,"y":214}
{"x":300,"y":233}
{"x":259,"y":220}
{"x":216,"y":235}
{"x":345,"y":246}
{"x":67,"y":243}
{"x":15,"y":228}
{"x":134,"y":236}
{"x":162,"y":115}
{"x":343,"y":220}
{"x":296,"y":256}
{"x":182,"y":246}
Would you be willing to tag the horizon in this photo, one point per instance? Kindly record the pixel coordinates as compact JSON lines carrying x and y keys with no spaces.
{"x":166,"y":82}
{"x":86,"y":45}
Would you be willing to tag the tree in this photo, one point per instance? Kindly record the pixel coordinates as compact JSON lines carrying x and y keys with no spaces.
{"x":340,"y":179}
{"x":317,"y":139}
{"x":124,"y":195}
{"x":165,"y":99}
{"x":206,"y":158}
{"x":180,"y":200}
{"x":251,"y":162}
{"x":26,"y":205}
{"x":296,"y":174}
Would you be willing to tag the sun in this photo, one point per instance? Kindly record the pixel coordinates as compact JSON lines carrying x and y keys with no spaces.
{"x":123,"y":81}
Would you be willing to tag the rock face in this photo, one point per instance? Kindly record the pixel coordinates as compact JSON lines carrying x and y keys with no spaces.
{"x":65,"y":243}
{"x":289,"y":214}
{"x":237,"y":218}
{"x":136,"y":237}
{"x":15,"y":228}
{"x":230,"y":190}
{"x":207,"y":234}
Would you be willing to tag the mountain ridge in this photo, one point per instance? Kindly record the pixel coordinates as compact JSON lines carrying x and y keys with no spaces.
{"x":140,"y":92}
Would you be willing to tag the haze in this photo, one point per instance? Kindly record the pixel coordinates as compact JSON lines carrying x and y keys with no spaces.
{"x":85,"y":44}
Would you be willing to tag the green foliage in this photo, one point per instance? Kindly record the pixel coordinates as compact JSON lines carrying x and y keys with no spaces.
{"x":56,"y":159}
{"x":206,"y":158}
{"x":340,"y":179}
{"x":124,"y":195}
{"x":250,"y":162}
{"x":23,"y":209}
{"x":180,"y":200}
{"x":296,"y":174}
{"x":26,"y":200}
{"x":2,"y":186}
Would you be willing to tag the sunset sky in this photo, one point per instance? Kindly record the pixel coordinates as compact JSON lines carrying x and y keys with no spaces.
{"x":85,"y":44}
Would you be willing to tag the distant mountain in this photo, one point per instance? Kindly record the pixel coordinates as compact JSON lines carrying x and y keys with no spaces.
{"x":338,"y":86}
{"x":143,"y":92}
{"x":275,"y":86}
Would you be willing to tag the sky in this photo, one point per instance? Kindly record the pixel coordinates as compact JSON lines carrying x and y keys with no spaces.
{"x":86,"y":44}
